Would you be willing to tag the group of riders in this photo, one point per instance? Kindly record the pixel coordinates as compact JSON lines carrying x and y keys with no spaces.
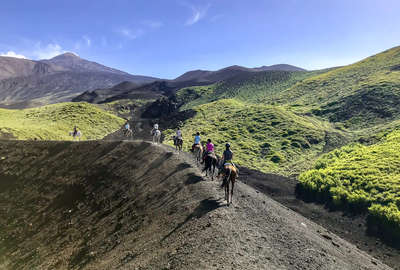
{"x":209,"y":148}
{"x":204,"y":154}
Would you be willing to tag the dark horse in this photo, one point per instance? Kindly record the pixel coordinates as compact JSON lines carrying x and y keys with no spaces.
{"x":229,"y":174}
{"x":178,"y":142}
{"x":210,"y":163}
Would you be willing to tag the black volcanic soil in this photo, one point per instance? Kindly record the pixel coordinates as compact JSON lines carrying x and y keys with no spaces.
{"x":349,"y":227}
{"x":134,"y":205}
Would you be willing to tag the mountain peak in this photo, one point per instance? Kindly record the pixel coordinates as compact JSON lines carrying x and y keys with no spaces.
{"x":66,"y":55}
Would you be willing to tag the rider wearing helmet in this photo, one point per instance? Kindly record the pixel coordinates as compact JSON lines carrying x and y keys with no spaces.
{"x":227,"y":157}
{"x":75,"y":132}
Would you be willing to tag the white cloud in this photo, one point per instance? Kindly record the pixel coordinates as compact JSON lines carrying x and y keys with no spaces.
{"x":198,"y":13}
{"x":13,"y":54}
{"x":49,"y":51}
{"x":130,"y":34}
{"x":152,"y":24}
{"x":87,"y":40}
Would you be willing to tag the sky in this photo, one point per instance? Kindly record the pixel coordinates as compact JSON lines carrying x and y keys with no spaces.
{"x":165,"y":38}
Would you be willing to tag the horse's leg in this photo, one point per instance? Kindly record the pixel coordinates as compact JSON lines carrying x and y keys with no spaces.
{"x":227,"y":192}
{"x":233,"y":185}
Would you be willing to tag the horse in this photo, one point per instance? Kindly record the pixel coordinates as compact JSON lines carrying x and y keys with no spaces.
{"x":230,"y":174}
{"x":178,"y":142}
{"x":76,"y":135}
{"x":156,"y":136}
{"x":198,"y":153}
{"x":210,"y":163}
{"x":128,"y":133}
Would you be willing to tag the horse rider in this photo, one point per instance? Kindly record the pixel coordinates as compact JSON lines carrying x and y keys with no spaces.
{"x":209,"y":149}
{"x":178,"y":135}
{"x":155,"y":128}
{"x":197,"y":140}
{"x":227,"y":157}
{"x":75,"y":132}
{"x":127,"y":127}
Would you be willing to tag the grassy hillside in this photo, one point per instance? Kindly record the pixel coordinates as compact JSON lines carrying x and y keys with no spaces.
{"x":264,"y":137}
{"x":53,"y":122}
{"x":360,"y":178}
{"x":250,"y":87}
{"x":361,"y":94}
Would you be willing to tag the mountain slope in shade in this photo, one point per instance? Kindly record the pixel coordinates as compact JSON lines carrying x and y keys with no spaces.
{"x":57,"y":79}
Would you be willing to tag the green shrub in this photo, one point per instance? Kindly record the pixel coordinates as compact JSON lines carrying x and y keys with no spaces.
{"x":360,"y":178}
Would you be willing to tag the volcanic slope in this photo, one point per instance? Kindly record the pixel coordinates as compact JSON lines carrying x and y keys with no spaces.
{"x":133,"y":205}
{"x":27,"y":83}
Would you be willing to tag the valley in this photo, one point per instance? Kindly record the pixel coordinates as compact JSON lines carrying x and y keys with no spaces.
{"x":330,"y":137}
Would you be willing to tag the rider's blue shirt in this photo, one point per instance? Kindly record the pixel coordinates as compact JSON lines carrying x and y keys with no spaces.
{"x":197,"y":139}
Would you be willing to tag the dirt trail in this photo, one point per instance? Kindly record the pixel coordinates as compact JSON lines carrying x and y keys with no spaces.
{"x":134,"y":205}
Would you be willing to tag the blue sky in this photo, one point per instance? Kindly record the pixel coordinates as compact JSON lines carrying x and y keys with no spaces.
{"x":165,"y":38}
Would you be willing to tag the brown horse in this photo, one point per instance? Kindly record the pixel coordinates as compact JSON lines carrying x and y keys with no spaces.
{"x":229,"y":174}
{"x":198,"y":153}
{"x":211,"y":161}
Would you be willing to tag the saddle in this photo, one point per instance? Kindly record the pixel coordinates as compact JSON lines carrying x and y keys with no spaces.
{"x":211,"y":155}
{"x":198,"y":146}
{"x":228,"y":166}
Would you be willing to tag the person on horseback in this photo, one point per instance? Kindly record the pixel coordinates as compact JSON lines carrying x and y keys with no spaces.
{"x":227,"y":157}
{"x":197,"y":140}
{"x":75,"y":132}
{"x":155,"y":128}
{"x":127,"y":127}
{"x":209,"y":149}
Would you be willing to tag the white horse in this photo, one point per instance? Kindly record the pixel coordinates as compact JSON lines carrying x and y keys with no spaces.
{"x":76,"y":136}
{"x":156,"y":135}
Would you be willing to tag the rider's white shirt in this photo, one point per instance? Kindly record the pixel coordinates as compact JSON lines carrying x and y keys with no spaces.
{"x":155,"y":126}
{"x":179,"y":134}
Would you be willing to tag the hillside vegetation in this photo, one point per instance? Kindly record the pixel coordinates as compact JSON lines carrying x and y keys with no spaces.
{"x":361,"y":94}
{"x":248,"y":87}
{"x":268,"y":138}
{"x":360,"y":178}
{"x":281,"y":122}
{"x":54,"y":122}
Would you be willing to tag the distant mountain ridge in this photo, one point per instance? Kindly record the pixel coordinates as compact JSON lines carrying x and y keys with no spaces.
{"x":26,"y":82}
{"x":57,"y":79}
{"x":190,"y":78}
{"x":229,"y":72}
